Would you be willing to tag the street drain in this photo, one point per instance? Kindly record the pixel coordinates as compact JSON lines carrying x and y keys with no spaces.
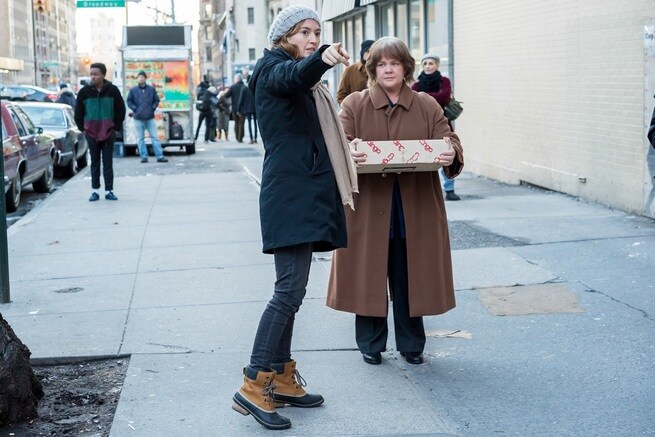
{"x":69,"y":290}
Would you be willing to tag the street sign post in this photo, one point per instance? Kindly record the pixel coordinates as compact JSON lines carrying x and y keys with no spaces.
{"x":100,"y":3}
{"x":4,"y":251}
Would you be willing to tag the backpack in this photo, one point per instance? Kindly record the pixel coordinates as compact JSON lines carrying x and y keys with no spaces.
{"x":453,"y":109}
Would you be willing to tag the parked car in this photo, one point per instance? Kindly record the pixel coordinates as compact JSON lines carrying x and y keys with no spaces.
{"x":28,"y":93}
{"x":29,"y":155}
{"x":58,"y":120}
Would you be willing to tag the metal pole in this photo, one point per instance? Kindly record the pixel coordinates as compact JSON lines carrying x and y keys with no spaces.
{"x":4,"y":252}
{"x":36,"y":65}
{"x":126,"y":20}
{"x":173,"y":10}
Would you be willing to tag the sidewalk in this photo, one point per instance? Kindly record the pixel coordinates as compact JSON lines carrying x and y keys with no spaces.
{"x":173,"y":274}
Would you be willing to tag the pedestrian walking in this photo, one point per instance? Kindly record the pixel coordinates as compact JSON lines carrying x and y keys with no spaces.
{"x":207,"y":115}
{"x":100,"y":113}
{"x":431,"y":81}
{"x":399,"y":232}
{"x":308,"y":174}
{"x":222,"y":115}
{"x":143,"y":101}
{"x":247,"y":102}
{"x":354,"y":77}
{"x":66,"y":95}
{"x":234,"y":93}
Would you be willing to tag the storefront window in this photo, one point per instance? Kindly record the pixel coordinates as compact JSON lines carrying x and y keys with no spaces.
{"x":416,"y":28}
{"x":437,"y":32}
{"x":401,"y":21}
{"x":386,"y":21}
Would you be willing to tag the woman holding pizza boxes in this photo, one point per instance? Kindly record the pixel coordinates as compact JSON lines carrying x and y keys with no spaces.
{"x":398,"y":231}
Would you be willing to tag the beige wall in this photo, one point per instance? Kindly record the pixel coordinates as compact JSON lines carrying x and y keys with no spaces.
{"x":553,"y":92}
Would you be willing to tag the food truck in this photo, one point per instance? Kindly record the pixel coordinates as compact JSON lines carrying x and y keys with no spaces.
{"x":163,"y":52}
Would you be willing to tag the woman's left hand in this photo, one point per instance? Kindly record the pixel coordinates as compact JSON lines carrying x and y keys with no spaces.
{"x":447,"y":157}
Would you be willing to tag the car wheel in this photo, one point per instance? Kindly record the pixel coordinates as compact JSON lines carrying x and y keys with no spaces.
{"x":13,"y":195}
{"x":83,"y":161}
{"x":71,"y":168}
{"x":44,"y":183}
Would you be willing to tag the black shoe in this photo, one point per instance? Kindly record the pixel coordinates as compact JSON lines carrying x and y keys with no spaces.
{"x":144,"y":160}
{"x":450,"y":195}
{"x":374,"y":358}
{"x":413,"y":357}
{"x":162,"y":160}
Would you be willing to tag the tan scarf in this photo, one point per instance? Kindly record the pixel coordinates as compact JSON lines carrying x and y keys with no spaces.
{"x":337,"y":144}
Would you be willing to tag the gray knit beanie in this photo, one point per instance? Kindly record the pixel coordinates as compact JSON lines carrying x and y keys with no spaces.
{"x":289,"y":17}
{"x":430,"y":56}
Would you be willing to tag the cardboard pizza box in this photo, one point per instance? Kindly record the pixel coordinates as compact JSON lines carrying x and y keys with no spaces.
{"x":399,"y":156}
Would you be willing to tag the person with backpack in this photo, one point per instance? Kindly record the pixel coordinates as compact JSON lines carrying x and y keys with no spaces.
{"x":207,"y":115}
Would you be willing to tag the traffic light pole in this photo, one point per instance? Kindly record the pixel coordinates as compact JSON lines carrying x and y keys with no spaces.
{"x":4,"y":253}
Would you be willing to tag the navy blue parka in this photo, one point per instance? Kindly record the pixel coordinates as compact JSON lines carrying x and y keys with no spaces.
{"x":299,"y":200}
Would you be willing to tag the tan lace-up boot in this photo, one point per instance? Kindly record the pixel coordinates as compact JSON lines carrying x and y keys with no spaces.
{"x":255,"y":397}
{"x":289,"y":387}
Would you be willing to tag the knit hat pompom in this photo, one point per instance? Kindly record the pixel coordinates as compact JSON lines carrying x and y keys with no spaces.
{"x":430,"y":56}
{"x":289,"y":17}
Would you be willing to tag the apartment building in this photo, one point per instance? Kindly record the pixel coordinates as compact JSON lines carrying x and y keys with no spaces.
{"x":37,"y":47}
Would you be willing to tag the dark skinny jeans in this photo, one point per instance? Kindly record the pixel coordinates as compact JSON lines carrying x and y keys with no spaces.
{"x":273,"y":339}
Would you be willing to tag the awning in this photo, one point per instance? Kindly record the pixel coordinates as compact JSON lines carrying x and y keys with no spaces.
{"x":334,"y":8}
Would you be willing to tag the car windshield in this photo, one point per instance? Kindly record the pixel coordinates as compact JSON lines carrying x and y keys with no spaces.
{"x":42,"y":116}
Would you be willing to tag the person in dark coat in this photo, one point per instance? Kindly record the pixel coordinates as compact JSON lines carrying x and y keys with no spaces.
{"x":651,"y":130}
{"x":247,"y":103}
{"x":431,"y":81}
{"x":234,"y":93}
{"x":66,"y":95}
{"x":300,"y":200}
{"x":207,"y":115}
{"x":144,"y":101}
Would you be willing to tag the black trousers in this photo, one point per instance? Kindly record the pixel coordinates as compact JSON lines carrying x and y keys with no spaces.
{"x":210,"y":125}
{"x":239,"y":126}
{"x":102,"y":150}
{"x":371,"y":332}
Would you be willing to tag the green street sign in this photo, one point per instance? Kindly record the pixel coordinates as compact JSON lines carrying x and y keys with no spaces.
{"x":100,"y":3}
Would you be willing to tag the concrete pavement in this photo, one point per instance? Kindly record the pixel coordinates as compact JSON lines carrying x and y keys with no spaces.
{"x":553,"y":334}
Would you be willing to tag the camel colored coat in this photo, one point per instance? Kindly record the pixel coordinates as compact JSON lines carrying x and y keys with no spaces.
{"x":358,"y":278}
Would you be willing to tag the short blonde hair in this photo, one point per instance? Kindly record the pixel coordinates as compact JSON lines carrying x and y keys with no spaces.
{"x":393,"y":48}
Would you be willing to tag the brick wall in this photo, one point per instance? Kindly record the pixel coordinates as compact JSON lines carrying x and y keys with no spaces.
{"x":553,"y":92}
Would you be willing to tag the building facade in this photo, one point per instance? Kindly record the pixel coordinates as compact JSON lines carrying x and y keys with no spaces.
{"x":234,"y":34}
{"x":37,"y":47}
{"x":16,"y":43}
{"x":557,"y":94}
